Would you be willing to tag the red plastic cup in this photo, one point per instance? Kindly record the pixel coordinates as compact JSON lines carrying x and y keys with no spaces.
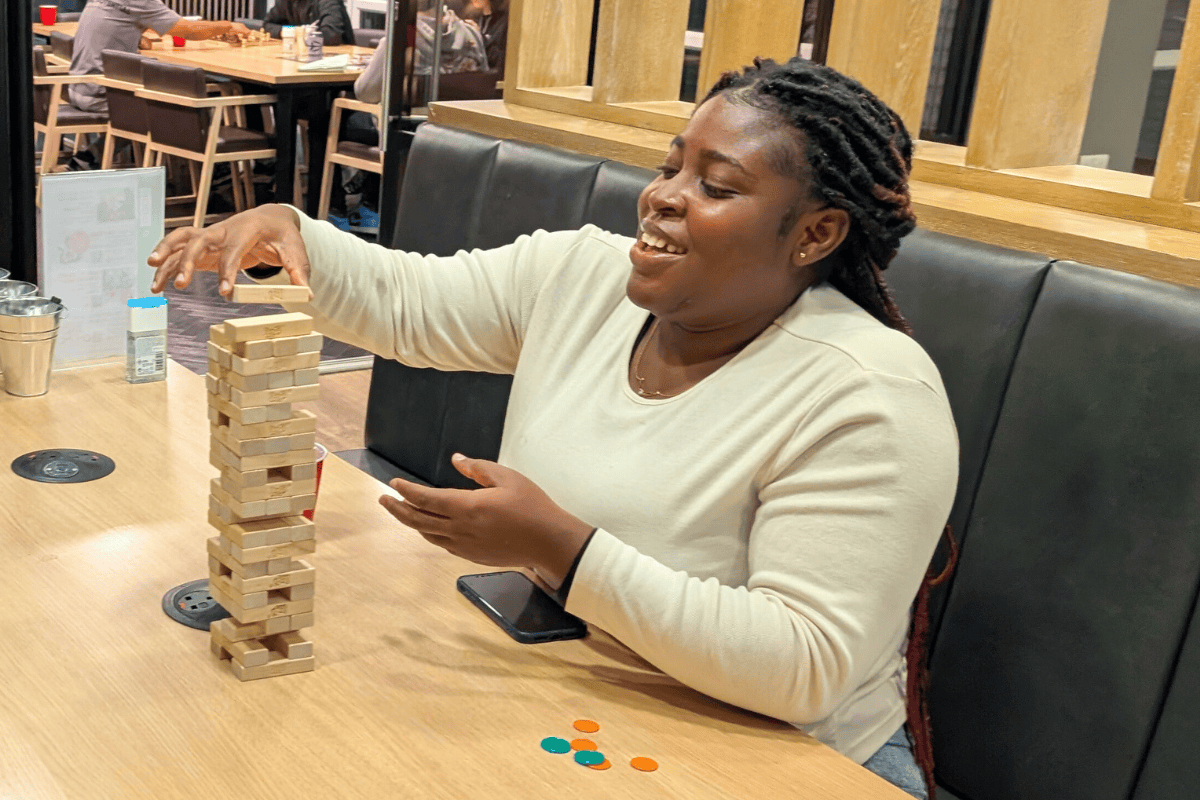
{"x":320,"y":453}
{"x":49,"y":14}
{"x":178,"y":41}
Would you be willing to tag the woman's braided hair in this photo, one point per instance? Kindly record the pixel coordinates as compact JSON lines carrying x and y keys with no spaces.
{"x":859,"y":156}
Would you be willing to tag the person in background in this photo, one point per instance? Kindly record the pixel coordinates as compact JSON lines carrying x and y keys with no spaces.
{"x":491,"y":18}
{"x":330,"y":17}
{"x":118,"y":25}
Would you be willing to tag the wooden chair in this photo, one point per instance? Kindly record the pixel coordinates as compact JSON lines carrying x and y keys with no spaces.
{"x":62,"y":48}
{"x":185,"y":121}
{"x":347,"y":153}
{"x":55,"y":117}
{"x":128,"y":114}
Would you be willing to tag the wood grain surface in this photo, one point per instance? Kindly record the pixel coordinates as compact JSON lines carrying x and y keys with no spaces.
{"x":415,"y":694}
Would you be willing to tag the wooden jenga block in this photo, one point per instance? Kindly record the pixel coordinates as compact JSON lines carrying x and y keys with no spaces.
{"x":233,"y":631}
{"x":284,"y":564}
{"x":270,"y":490}
{"x":303,"y":573}
{"x":225,"y":509}
{"x":246,"y":600}
{"x":247,"y":383}
{"x":248,"y":653}
{"x":292,"y":644}
{"x":258,"y":348}
{"x":299,"y":422}
{"x":292,"y":394}
{"x":299,"y":621}
{"x":265,"y":532}
{"x":219,"y":355}
{"x":280,"y":380}
{"x":270,"y":293}
{"x":267,"y":461}
{"x":258,"y":447}
{"x":276,"y":606}
{"x":247,"y":510}
{"x":220,"y":336}
{"x":291,"y":505}
{"x":303,"y":472}
{"x":244,"y":571}
{"x":258,"y":366}
{"x":291,"y":345}
{"x":300,"y":591}
{"x":276,"y":667}
{"x":249,"y":416}
{"x":270,"y":552}
{"x":305,"y":377}
{"x":273,"y":326}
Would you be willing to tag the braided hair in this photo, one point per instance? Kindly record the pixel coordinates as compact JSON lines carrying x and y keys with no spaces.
{"x":858,"y":156}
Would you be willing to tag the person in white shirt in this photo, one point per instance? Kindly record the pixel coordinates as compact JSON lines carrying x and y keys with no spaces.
{"x":721,"y":444}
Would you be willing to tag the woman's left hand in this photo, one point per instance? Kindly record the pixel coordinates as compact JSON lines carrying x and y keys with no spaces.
{"x":510,"y":522}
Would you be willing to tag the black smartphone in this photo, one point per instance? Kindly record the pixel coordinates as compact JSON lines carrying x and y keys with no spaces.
{"x":521,"y":607}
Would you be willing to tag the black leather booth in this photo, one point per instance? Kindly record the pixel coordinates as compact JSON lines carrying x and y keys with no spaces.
{"x":1066,"y":650}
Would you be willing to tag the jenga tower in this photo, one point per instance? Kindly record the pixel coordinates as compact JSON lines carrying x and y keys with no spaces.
{"x":257,"y":367}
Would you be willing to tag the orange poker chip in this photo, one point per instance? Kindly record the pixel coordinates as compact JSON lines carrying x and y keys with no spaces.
{"x":583,"y":744}
{"x":644,"y":764}
{"x":586,"y":726}
{"x":605,"y":764}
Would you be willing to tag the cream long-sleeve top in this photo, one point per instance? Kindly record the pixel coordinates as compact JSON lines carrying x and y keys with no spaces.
{"x":762,"y":535}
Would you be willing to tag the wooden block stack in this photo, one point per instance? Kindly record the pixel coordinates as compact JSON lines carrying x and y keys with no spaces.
{"x":258,"y":367}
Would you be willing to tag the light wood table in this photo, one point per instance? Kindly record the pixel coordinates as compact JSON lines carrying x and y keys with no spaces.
{"x":266,"y":65}
{"x":68,"y":28}
{"x":416,"y":694}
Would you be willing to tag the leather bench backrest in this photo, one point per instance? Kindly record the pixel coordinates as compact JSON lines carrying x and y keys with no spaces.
{"x":462,"y":190}
{"x":1064,"y":624}
{"x":968,"y":304}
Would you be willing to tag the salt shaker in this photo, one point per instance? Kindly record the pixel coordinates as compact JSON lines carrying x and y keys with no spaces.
{"x":146,"y":340}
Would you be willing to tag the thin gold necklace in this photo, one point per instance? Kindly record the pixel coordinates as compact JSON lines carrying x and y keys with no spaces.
{"x":637,"y":363}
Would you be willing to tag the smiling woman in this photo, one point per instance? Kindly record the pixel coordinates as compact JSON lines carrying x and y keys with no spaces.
{"x":721,"y":446}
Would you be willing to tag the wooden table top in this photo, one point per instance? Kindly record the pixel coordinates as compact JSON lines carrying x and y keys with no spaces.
{"x":416,"y":694}
{"x":257,"y":63}
{"x":68,"y":28}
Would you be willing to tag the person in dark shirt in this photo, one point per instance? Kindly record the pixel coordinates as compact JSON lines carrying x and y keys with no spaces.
{"x":330,"y":17}
{"x":491,"y":17}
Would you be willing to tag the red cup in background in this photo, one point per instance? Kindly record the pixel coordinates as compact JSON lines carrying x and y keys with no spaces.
{"x":49,"y":14}
{"x":178,"y":41}
{"x":320,"y":452}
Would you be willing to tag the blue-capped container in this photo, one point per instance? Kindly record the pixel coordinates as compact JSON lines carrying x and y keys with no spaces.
{"x":146,"y":340}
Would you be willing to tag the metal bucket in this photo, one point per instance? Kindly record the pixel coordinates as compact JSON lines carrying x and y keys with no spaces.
{"x":10,"y":289}
{"x":28,"y":332}
{"x":4,"y":274}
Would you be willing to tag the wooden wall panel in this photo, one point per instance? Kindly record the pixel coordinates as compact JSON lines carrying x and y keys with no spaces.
{"x":1177,"y":173}
{"x":548,"y":43}
{"x":887,"y":45}
{"x":1035,"y":81}
{"x":639,"y":50}
{"x":736,"y":31}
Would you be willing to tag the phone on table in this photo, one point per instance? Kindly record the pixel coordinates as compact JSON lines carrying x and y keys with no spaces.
{"x":521,"y":607}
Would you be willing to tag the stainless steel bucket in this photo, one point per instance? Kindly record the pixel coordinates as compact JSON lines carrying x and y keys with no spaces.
{"x":4,"y":274}
{"x":28,"y":332}
{"x":10,"y":289}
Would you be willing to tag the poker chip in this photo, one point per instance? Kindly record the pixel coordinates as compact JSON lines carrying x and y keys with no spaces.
{"x":586,"y":726}
{"x":583,"y":744}
{"x":553,"y":744}
{"x":643,"y":764}
{"x":589,"y":758}
{"x":605,"y":764}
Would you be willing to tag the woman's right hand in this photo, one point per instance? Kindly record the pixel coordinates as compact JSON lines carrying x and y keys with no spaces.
{"x":267,"y":235}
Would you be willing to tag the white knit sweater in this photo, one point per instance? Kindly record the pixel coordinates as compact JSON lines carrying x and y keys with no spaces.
{"x":762,"y":535}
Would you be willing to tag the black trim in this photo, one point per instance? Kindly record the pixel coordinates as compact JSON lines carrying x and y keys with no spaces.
{"x":18,"y":222}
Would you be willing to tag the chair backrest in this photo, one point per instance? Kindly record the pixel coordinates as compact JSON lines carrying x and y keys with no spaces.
{"x":62,"y":45}
{"x":174,"y":125}
{"x":1064,"y":628}
{"x":41,"y":94}
{"x":126,"y":111}
{"x":368,"y":37}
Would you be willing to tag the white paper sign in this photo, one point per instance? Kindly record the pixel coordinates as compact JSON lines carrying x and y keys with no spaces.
{"x":98,"y":229}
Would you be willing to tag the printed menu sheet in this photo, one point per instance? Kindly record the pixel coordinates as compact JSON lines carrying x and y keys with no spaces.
{"x":98,"y":229}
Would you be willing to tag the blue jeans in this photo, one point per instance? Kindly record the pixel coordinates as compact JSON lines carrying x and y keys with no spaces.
{"x":895,"y":763}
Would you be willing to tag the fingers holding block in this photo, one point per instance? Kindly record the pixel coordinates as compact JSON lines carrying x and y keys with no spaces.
{"x":268,"y":293}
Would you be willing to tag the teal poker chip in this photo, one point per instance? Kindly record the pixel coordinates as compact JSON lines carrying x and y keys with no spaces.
{"x":589,"y":757}
{"x":553,"y":744}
